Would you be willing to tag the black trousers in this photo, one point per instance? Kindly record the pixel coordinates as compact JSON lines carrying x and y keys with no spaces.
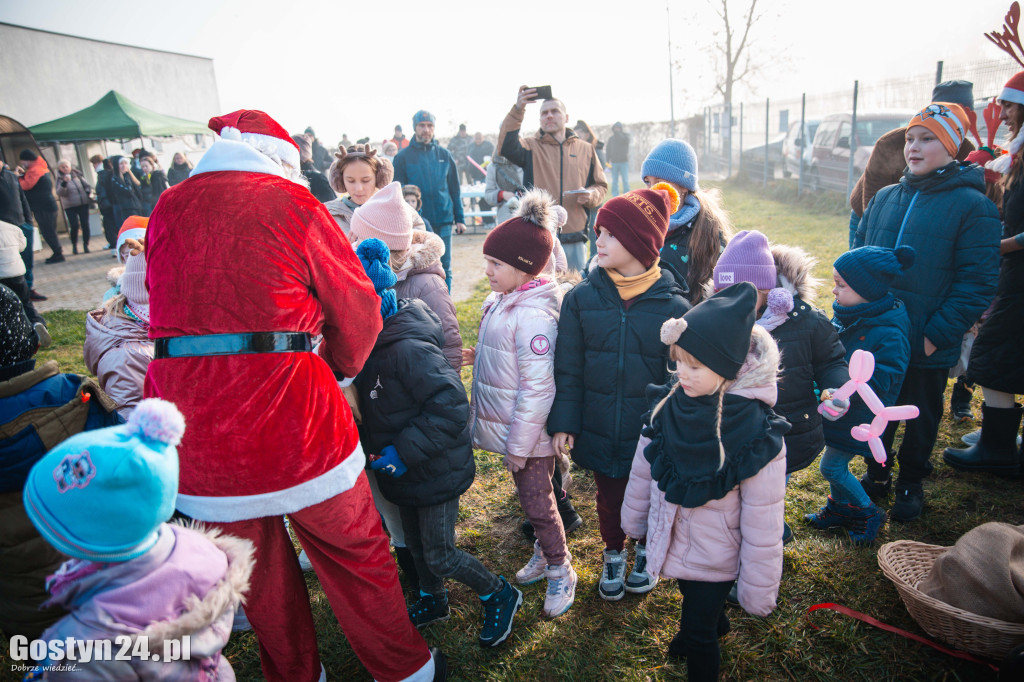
{"x":703,"y":604}
{"x":47,"y":222}
{"x":78,"y":216}
{"x":110,"y":228}
{"x":922,"y":387}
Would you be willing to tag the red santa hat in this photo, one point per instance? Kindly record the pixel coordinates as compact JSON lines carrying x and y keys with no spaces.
{"x":258,"y":129}
{"x":1013,"y":91}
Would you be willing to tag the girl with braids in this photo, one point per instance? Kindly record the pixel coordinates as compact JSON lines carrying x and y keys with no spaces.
{"x":699,"y":231}
{"x":709,"y":475}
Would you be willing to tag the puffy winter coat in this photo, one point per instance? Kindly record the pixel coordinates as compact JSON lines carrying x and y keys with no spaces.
{"x":995,"y":358}
{"x":412,"y":398}
{"x":188,"y":584}
{"x":887,"y":337}
{"x":150,"y":189}
{"x":955,"y":230}
{"x":513,"y":374}
{"x":118,"y":351}
{"x":38,"y":409}
{"x":12,"y":243}
{"x":72,"y":189}
{"x":14,"y":206}
{"x":605,"y":357}
{"x":737,"y":537}
{"x":421,"y":276}
{"x":812,"y":357}
{"x":38,"y":187}
{"x":431,"y":168}
{"x":556,"y":167}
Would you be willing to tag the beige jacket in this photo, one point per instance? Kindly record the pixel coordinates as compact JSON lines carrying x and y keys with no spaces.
{"x":556,"y":167}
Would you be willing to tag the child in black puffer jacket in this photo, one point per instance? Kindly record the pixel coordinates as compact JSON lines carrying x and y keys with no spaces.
{"x":415,"y":428}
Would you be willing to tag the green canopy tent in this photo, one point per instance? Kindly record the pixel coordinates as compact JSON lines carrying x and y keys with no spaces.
{"x":114,"y":117}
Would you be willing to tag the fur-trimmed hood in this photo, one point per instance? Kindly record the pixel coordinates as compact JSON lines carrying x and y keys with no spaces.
{"x":424,"y":252}
{"x":162,"y":594}
{"x":794,"y":268}
{"x":758,"y":377}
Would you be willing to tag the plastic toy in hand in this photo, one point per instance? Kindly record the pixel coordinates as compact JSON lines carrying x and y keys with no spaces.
{"x":389,"y":462}
{"x":862,"y":367}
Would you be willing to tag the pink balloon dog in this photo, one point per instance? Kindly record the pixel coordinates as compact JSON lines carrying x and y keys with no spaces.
{"x":862,"y":367}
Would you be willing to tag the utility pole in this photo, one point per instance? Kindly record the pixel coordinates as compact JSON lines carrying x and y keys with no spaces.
{"x":671,"y":90}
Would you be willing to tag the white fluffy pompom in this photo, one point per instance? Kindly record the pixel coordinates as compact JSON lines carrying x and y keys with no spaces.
{"x":561,"y":215}
{"x":157,"y":420}
{"x":230,"y":133}
{"x":536,"y":206}
{"x":672,"y":329}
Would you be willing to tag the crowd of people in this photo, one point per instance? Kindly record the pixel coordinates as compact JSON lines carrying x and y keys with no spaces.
{"x":279,"y":353}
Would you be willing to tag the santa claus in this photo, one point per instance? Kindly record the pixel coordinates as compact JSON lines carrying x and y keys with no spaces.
{"x":244,"y":267}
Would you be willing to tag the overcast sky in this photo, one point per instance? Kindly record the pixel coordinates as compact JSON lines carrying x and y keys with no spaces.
{"x":361,"y":67}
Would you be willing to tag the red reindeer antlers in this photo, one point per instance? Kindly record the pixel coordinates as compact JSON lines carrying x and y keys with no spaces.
{"x":992,"y":120}
{"x":1009,"y":39}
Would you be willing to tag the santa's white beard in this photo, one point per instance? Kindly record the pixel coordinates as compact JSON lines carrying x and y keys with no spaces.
{"x":269,"y":150}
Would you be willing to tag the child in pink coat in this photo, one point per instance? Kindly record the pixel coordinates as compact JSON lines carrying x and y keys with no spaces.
{"x":709,"y":475}
{"x":514,"y":384}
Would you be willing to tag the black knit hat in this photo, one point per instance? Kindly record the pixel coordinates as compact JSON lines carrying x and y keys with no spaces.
{"x":19,"y":341}
{"x":717,"y":330}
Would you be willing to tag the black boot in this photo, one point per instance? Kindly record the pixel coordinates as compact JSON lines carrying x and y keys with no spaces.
{"x":960,"y":401}
{"x":570,"y":519}
{"x":996,"y":451}
{"x":408,"y":566}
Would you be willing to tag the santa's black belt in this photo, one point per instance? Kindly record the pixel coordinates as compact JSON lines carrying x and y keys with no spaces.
{"x":231,"y":344}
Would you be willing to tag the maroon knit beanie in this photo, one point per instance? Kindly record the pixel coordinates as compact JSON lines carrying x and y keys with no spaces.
{"x":639,"y":220}
{"x":525,"y":240}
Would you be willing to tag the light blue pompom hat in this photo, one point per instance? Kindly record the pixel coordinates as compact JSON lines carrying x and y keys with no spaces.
{"x":102,"y":495}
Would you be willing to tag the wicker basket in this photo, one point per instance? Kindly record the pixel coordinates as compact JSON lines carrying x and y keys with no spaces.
{"x":906,"y":564}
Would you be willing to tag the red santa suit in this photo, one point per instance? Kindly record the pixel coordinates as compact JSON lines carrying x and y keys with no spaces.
{"x":240,"y":248}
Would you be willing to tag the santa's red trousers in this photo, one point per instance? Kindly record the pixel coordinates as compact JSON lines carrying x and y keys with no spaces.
{"x":348,"y":548}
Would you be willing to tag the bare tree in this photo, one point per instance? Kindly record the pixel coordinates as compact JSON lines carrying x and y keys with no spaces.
{"x":734,"y":48}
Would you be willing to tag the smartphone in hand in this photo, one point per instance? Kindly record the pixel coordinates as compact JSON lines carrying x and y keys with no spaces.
{"x":543,"y":92}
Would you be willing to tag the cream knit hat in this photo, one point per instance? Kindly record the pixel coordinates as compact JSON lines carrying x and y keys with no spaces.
{"x":385,"y":216}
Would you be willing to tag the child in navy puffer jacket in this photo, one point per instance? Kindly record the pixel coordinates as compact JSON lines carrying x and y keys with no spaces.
{"x":867,"y":317}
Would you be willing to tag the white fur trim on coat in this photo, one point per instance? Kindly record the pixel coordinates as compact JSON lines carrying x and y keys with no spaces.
{"x":288,"y":501}
{"x":230,"y":155}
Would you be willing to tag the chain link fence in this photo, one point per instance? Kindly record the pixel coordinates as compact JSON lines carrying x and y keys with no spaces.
{"x":762,"y":140}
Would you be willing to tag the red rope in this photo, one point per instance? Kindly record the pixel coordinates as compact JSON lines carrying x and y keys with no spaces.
{"x":903,"y":633}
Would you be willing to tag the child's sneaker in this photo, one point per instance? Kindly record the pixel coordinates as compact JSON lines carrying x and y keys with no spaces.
{"x":612,"y":586}
{"x":304,"y":563}
{"x":561,"y":589}
{"x":534,"y":568}
{"x":640,"y":581}
{"x":429,"y":609}
{"x":864,"y":524}
{"x":831,"y":515}
{"x":499,"y":610}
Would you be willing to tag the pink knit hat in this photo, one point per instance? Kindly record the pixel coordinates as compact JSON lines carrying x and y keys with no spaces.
{"x":133,"y":285}
{"x":747,"y":258}
{"x":385,"y":216}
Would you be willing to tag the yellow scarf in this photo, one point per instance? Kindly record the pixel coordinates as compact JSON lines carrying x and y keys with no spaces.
{"x":631,"y":287}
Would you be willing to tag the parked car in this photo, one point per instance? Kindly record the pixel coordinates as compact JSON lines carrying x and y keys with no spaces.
{"x":794,"y":143}
{"x":752,"y":160}
{"x":830,"y":156}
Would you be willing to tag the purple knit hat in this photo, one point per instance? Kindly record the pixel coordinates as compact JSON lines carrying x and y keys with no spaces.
{"x":747,"y":258}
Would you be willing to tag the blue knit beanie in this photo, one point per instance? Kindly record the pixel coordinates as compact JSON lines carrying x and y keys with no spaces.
{"x":422,"y":116}
{"x":102,"y":495}
{"x":870,"y":270}
{"x":672,"y":160}
{"x":374,"y":255}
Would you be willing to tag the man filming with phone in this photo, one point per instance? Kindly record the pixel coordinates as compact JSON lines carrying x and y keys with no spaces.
{"x":556,"y":160}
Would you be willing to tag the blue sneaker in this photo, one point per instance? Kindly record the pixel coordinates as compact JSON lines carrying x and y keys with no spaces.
{"x":499,"y":610}
{"x":429,"y":609}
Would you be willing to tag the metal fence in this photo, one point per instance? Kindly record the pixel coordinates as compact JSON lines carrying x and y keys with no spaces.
{"x":751,"y":140}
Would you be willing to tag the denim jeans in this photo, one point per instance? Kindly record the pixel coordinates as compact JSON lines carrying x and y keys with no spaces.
{"x":620,"y":170}
{"x":430,"y":537}
{"x":575,"y":255}
{"x":445,"y":233}
{"x":27,"y":254}
{"x":844,"y":486}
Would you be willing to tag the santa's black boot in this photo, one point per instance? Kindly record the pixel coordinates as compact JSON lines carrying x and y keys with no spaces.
{"x":996,"y":451}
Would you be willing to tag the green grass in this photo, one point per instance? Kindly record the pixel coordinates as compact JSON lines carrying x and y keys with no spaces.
{"x":626,"y":640}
